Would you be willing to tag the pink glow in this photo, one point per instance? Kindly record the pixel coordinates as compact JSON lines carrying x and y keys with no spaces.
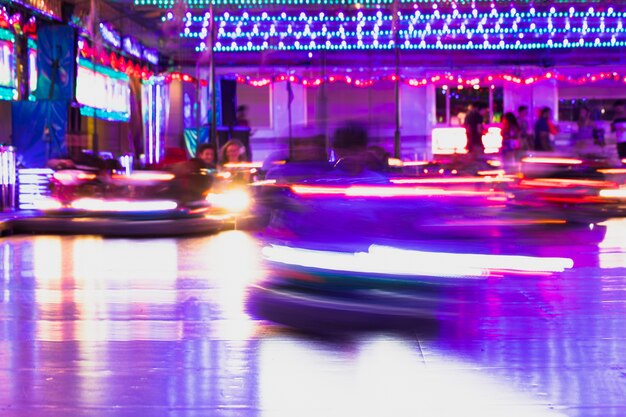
{"x":387,"y":191}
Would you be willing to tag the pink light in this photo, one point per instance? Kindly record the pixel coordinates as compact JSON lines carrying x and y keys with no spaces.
{"x":550,"y":160}
{"x":388,"y":191}
{"x":145,"y":176}
{"x":100,"y":205}
{"x":455,"y":180}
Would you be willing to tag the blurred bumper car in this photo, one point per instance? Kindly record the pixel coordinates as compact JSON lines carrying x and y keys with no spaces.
{"x":144,"y":203}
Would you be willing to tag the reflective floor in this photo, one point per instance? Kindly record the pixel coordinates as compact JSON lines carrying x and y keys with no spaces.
{"x":158,"y":327}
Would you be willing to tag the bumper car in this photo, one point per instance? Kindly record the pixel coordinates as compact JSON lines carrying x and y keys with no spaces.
{"x":144,"y":203}
{"x":572,"y":189}
{"x":323,"y":286}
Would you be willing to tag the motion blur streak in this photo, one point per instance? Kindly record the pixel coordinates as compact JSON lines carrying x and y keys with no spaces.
{"x":551,"y":160}
{"x":389,"y":260}
{"x":95,"y":204}
{"x":382,"y":191}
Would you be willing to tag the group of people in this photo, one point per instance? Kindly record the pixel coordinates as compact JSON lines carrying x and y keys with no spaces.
{"x":516,"y":133}
{"x":519,"y":138}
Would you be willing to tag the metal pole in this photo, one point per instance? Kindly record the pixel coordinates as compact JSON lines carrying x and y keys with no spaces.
{"x":396,"y":136}
{"x":213,"y":138}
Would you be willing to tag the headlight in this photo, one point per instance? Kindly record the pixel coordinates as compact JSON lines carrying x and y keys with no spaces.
{"x":234,"y":201}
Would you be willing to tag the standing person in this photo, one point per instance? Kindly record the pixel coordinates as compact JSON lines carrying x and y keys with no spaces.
{"x":524,"y":127}
{"x":241,"y":119}
{"x":474,"y":129}
{"x":585,"y":127}
{"x":619,"y":127}
{"x":545,"y":129}
{"x":511,"y":134}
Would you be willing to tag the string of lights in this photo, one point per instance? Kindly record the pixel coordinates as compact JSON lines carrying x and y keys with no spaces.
{"x":446,"y":80}
{"x":526,"y":28}
{"x":354,"y":3}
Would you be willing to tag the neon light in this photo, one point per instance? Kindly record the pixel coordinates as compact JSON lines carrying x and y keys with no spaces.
{"x":101,"y":205}
{"x":413,"y":263}
{"x":151,"y":55}
{"x":132,"y":47}
{"x":103,"y":92}
{"x":110,"y":35}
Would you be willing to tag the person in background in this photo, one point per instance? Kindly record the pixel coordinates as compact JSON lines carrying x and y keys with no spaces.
{"x":545,"y":129}
{"x":474,"y":127}
{"x":511,"y":134}
{"x":241,"y":119}
{"x":619,"y":127}
{"x":524,"y":127}
{"x":585,"y":127}
{"x":351,"y":151}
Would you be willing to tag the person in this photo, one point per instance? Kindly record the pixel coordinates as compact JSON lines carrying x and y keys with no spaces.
{"x":618,"y":125}
{"x":234,"y":152}
{"x":351,"y":152}
{"x":241,"y":119}
{"x":585,"y":128}
{"x":522,"y":121}
{"x":545,"y":129}
{"x":205,"y":156}
{"x":308,"y":159}
{"x":511,"y":134}
{"x":474,"y":128}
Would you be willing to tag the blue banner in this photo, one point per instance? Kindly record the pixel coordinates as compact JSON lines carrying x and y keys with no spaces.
{"x":56,"y":63}
{"x":39,"y":131}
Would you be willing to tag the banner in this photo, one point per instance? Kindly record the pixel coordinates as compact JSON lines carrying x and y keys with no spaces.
{"x":39,"y":130}
{"x":56,"y":63}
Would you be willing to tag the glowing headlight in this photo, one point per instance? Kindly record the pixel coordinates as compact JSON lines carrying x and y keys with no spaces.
{"x":232,"y":200}
{"x":47,"y":204}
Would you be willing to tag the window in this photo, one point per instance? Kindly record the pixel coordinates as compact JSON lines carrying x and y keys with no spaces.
{"x":459,"y":98}
{"x":601,"y":108}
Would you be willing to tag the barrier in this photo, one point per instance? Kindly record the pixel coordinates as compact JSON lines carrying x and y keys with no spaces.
{"x":7,"y":178}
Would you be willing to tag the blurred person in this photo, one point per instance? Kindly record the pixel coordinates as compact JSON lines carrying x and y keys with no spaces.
{"x":474,"y":128}
{"x":585,"y":127}
{"x":350,"y":147}
{"x":618,"y":125}
{"x":234,"y":152}
{"x":241,"y":119}
{"x":205,"y":156}
{"x":511,"y":136}
{"x":545,"y":129}
{"x":308,"y":159}
{"x":524,"y":127}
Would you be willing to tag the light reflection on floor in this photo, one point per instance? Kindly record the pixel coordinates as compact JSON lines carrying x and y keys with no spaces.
{"x":116,"y":327}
